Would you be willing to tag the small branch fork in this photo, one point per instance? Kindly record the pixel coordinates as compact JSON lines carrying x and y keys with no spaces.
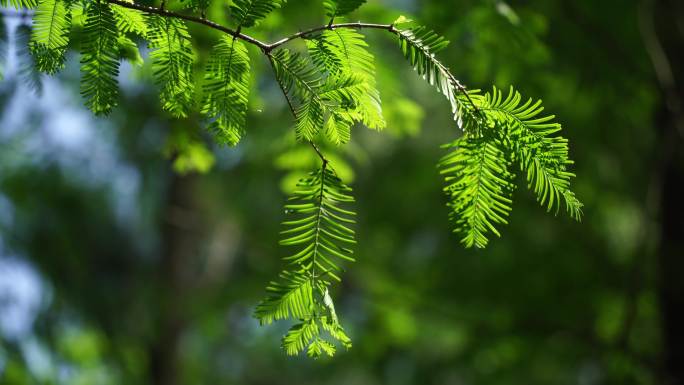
{"x":239,"y":35}
{"x":267,"y":48}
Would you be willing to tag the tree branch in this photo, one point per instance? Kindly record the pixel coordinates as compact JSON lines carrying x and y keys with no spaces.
{"x":194,"y":19}
{"x":239,"y":35}
{"x":267,"y":48}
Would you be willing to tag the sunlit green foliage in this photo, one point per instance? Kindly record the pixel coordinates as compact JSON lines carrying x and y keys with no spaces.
{"x":330,"y":88}
{"x":480,"y":186}
{"x":497,"y":131}
{"x":248,"y":12}
{"x":543,"y":158}
{"x":129,"y":20}
{"x":419,"y":46}
{"x":329,"y":103}
{"x":226,"y":90}
{"x":50,"y":37}
{"x":172,"y":61}
{"x":18,"y":4}
{"x":344,"y":51}
{"x":100,"y":59}
{"x":334,"y":8}
{"x":320,"y":232}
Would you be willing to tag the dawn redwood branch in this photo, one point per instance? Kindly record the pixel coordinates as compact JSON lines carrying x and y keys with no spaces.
{"x":267,"y":48}
{"x":194,"y":19}
{"x":239,"y":35}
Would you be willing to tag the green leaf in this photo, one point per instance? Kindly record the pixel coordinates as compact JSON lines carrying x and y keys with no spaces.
{"x":329,"y":103}
{"x":291,"y":299}
{"x":318,"y":347}
{"x":100,"y":59}
{"x":19,"y":4}
{"x":51,"y":24}
{"x":344,"y":51}
{"x":322,"y":231}
{"x":172,"y":63}
{"x":248,"y":12}
{"x":334,"y":8}
{"x":543,"y":157}
{"x":300,"y":336}
{"x":319,"y":229}
{"x":419,"y":46}
{"x":498,"y":132}
{"x":479,"y":187}
{"x":129,"y":20}
{"x":226,"y":90}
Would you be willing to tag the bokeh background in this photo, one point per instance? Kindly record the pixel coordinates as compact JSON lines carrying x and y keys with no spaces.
{"x":120,"y":263}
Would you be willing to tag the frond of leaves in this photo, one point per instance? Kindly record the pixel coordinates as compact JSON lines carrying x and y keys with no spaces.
{"x":334,"y":8}
{"x":100,"y":59}
{"x":329,"y":91}
{"x":51,"y":24}
{"x":479,"y":187}
{"x":248,"y":12}
{"x":322,"y":224}
{"x":543,"y":157}
{"x":172,"y":61}
{"x":292,"y":298}
{"x":295,"y":74}
{"x":498,"y":132}
{"x":27,"y":70}
{"x":344,"y":51}
{"x":226,"y":90}
{"x":420,"y":45}
{"x":129,"y":20}
{"x":329,"y":103}
{"x":320,"y":231}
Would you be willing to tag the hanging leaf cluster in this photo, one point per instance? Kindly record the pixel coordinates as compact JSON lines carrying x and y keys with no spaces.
{"x":319,"y":231}
{"x":331,"y":89}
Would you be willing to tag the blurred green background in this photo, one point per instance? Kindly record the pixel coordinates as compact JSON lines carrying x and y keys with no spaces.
{"x":114,"y":269}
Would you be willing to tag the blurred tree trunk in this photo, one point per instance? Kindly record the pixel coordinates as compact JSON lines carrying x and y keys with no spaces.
{"x":179,"y":244}
{"x":662,"y":25}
